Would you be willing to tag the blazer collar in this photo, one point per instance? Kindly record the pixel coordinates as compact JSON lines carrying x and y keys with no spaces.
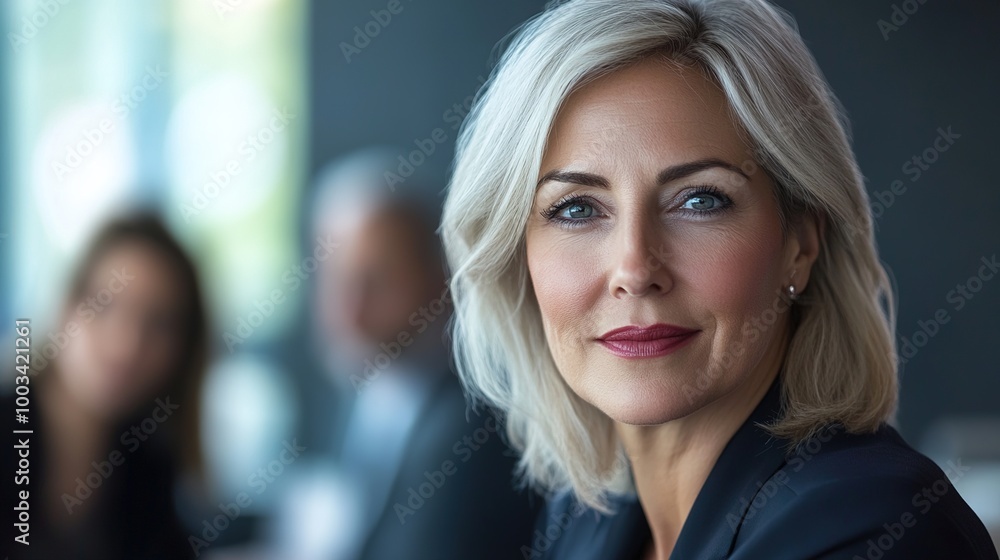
{"x":750,"y":458}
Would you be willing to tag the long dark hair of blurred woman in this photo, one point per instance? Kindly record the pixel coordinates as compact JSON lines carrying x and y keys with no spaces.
{"x":114,"y":402}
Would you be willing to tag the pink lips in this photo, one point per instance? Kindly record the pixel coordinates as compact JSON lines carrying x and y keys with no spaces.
{"x":646,"y":342}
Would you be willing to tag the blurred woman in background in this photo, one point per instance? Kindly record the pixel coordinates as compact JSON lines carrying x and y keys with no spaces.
{"x":115,"y":404}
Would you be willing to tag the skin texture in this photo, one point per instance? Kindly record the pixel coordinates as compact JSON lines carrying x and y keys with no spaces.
{"x":641,"y":252}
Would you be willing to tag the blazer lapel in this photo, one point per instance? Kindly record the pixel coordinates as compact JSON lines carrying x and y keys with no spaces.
{"x":750,"y":458}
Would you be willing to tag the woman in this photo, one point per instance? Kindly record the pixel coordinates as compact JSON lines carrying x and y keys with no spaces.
{"x":114,"y":404}
{"x":664,"y":272}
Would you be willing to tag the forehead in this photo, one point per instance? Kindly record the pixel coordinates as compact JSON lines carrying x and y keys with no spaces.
{"x":143,"y":271}
{"x":378,"y":235}
{"x":654,"y":106}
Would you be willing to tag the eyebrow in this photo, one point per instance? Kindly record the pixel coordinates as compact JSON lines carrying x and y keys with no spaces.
{"x":667,"y":175}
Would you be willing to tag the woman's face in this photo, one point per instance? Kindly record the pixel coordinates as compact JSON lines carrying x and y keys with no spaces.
{"x":649,"y":211}
{"x":127,"y":337}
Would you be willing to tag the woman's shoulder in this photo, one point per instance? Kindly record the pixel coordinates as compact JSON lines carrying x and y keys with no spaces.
{"x":835,"y":456}
{"x":863,"y":495}
{"x":838,"y":495}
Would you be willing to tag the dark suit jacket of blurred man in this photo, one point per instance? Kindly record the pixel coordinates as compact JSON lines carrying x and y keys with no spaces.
{"x":452,"y":495}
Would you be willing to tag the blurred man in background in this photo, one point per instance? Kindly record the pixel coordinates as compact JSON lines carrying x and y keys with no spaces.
{"x":415,"y":476}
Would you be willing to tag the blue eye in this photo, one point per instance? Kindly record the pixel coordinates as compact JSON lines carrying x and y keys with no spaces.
{"x":572,"y":210}
{"x":706,"y":200}
{"x":702,"y":202}
{"x":576,"y":210}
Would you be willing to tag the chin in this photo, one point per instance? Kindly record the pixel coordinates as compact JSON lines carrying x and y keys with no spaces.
{"x":641,"y":399}
{"x":648,"y":409}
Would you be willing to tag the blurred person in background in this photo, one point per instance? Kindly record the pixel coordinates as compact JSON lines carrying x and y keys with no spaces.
{"x":416,"y":475}
{"x":115,"y":402}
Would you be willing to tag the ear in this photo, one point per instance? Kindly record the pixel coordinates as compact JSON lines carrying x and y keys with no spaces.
{"x":804,"y":243}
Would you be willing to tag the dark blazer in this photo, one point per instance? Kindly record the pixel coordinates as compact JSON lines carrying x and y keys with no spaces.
{"x":837,"y":496}
{"x":473,"y":513}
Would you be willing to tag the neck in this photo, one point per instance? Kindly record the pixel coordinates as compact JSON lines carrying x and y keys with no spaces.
{"x":671,"y":461}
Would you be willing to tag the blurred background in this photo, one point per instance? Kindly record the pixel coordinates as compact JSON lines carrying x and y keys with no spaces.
{"x":221,"y":115}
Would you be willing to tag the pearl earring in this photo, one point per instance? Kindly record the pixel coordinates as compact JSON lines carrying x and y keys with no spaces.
{"x":791,"y":287}
{"x":791,"y":293}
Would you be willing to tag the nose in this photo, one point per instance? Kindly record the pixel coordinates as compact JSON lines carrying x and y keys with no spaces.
{"x":639,"y":258}
{"x":125,"y":334}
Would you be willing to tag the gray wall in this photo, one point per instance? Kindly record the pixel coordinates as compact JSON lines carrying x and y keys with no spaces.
{"x":937,"y":70}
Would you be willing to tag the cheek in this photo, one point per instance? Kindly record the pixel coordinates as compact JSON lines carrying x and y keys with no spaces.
{"x":162,"y":355}
{"x":567,"y":279}
{"x":738,"y":276}
{"x":81,"y":367}
{"x":741,"y":272}
{"x":82,"y":354}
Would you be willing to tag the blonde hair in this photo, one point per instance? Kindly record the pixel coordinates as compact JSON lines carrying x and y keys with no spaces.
{"x":840,"y":364}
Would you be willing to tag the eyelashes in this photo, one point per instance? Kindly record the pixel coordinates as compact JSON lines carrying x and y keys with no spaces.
{"x":566,"y":202}
{"x":707,"y":192}
{"x":700,"y":201}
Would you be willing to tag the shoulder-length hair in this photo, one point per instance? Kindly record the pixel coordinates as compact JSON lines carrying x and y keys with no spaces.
{"x":841,"y":360}
{"x":183,"y":436}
